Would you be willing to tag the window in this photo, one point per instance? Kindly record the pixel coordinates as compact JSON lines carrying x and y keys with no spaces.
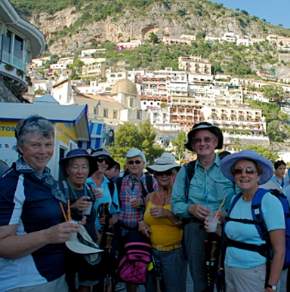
{"x":18,"y":47}
{"x":7,"y":46}
{"x":106,"y":113}
{"x":115,"y":114}
{"x":96,"y":110}
{"x":139,"y":115}
{"x":18,"y":52}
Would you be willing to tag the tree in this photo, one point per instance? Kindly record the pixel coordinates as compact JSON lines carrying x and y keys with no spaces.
{"x":147,"y":136}
{"x":266,"y":152}
{"x":129,"y":135}
{"x":178,"y":144}
{"x":273,"y":92}
{"x":76,"y":68}
{"x":153,"y":38}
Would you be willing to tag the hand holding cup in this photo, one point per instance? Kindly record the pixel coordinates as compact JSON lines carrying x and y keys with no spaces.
{"x":211,"y":222}
{"x":157,"y":212}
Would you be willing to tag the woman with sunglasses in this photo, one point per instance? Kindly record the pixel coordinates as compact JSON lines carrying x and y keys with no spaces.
{"x":164,"y":230}
{"x":245,"y":265}
{"x":107,"y":208}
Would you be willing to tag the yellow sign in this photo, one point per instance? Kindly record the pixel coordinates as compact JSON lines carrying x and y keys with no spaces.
{"x":7,"y":128}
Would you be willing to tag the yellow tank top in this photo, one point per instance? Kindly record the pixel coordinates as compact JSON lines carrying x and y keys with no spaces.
{"x":164,"y":234}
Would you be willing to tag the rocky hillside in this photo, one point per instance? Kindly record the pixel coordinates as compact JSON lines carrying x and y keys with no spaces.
{"x":70,"y":25}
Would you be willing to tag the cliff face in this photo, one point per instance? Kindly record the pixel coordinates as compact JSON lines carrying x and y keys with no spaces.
{"x":64,"y":31}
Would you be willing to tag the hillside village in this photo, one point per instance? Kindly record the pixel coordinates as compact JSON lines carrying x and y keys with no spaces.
{"x":173,"y":99}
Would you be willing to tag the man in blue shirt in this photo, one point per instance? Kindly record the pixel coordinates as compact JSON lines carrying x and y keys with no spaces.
{"x":207,"y":190}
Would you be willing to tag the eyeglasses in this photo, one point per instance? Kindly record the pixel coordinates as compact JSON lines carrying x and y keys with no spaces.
{"x":247,"y":170}
{"x":168,"y":173}
{"x":206,"y":140}
{"x":131,"y":162}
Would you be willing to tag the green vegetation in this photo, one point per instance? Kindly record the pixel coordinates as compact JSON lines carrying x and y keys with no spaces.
{"x":178,"y":144}
{"x":266,"y":152}
{"x":273,"y":92}
{"x":99,"y":9}
{"x":142,"y":136}
{"x":94,"y":10}
{"x":226,"y":58}
{"x":278,"y":129}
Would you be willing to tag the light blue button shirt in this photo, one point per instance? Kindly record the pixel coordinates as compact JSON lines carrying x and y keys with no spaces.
{"x":208,"y":187}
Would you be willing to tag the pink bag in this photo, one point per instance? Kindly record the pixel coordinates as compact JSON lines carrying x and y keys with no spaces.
{"x":133,"y":265}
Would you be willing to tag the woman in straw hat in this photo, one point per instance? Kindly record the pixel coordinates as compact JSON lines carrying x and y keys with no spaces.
{"x":164,"y":230}
{"x":245,"y":267}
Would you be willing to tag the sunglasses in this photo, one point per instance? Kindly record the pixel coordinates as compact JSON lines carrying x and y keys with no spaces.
{"x":167,"y":173}
{"x":101,"y":159}
{"x":247,"y":170}
{"x":131,"y":162}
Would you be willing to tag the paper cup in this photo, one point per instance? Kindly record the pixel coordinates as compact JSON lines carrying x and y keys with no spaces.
{"x":212,"y":222}
{"x":88,"y":210}
{"x":73,"y":234}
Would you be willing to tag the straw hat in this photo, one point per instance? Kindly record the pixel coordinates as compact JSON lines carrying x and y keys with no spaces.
{"x":82,"y":243}
{"x":163,"y":163}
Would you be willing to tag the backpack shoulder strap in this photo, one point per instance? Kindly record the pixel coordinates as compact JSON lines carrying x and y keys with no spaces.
{"x":233,"y":203}
{"x":149,"y":182}
{"x":119,"y":184}
{"x":189,"y":173}
{"x":258,"y":214}
{"x":111,"y":187}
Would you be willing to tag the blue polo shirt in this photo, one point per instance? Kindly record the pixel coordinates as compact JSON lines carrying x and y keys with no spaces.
{"x":27,"y":202}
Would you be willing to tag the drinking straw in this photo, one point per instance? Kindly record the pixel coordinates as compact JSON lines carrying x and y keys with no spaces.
{"x":68,"y":211}
{"x":63,"y":212}
{"x":220,"y":207}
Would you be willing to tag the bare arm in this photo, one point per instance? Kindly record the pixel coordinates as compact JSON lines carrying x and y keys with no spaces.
{"x":13,"y":246}
{"x":277,"y":238}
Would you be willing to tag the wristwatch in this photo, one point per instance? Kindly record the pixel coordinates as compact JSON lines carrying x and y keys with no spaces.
{"x":273,"y":287}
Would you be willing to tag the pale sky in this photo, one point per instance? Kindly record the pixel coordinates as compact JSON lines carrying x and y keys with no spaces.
{"x":273,"y":11}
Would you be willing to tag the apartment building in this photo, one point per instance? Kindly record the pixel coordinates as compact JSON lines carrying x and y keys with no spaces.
{"x":95,"y":69}
{"x":194,"y":64}
{"x":20,"y":41}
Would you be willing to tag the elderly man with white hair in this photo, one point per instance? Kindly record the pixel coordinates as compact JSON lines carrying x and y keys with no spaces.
{"x":133,"y":189}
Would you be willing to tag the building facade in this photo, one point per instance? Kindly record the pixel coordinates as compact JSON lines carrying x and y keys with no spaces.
{"x":20,"y":41}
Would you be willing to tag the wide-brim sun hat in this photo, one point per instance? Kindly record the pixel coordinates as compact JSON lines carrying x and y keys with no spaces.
{"x":82,"y":243}
{"x":205,"y":126}
{"x":102,"y":152}
{"x":163,"y":163}
{"x":135,"y":152}
{"x":264,"y":164}
{"x":78,"y":153}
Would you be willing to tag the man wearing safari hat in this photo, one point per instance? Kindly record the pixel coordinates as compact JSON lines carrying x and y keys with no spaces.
{"x":204,"y":194}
